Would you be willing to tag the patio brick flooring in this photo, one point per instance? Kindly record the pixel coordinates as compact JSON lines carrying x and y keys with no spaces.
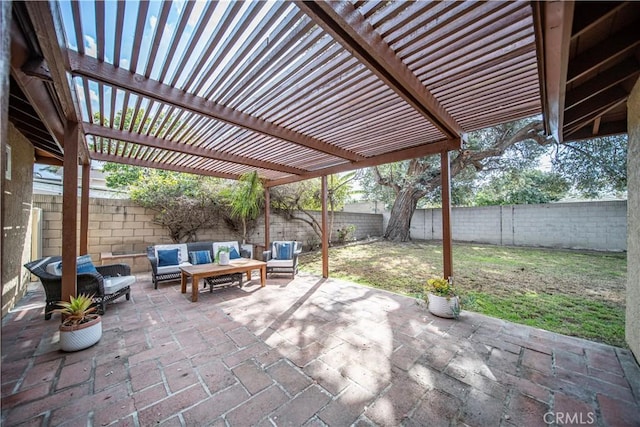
{"x":307,"y":352}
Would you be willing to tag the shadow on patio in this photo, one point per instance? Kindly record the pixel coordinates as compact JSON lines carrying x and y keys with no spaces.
{"x":306,"y":352}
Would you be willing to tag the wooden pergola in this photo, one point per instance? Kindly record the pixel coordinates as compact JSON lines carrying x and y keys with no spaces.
{"x":298,"y":90}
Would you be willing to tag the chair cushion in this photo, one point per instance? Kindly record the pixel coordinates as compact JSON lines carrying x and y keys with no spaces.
{"x":172,"y":268}
{"x":84,"y":264}
{"x":200,"y":257}
{"x":114,"y":284}
{"x":280,"y":263}
{"x":233,"y":254}
{"x":284,"y":250}
{"x":168,"y":257}
{"x":54,"y":268}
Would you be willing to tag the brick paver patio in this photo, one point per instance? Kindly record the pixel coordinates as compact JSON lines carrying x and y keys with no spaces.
{"x":306,"y":352}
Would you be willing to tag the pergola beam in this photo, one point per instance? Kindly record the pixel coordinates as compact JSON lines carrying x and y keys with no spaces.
{"x":396,"y":156}
{"x":553,"y":21}
{"x":156,"y":165}
{"x":347,"y":25}
{"x":91,"y":68}
{"x":163,"y":144}
{"x":49,"y":31}
{"x":35,"y":89}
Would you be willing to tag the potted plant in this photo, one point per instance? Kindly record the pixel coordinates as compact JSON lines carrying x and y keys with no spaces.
{"x":442,"y":300}
{"x":81,"y":326}
{"x":223,"y":255}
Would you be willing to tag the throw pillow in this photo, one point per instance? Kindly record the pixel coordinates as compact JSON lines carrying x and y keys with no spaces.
{"x":200,"y":257}
{"x":284,"y":251}
{"x":168,"y":257}
{"x":233,"y":254}
{"x":84,"y":264}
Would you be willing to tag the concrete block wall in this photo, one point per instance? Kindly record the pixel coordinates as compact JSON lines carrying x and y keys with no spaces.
{"x":122,"y":228}
{"x":581,"y":225}
{"x":632,"y":318}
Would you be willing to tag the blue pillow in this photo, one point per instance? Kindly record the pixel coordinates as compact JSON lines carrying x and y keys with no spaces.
{"x":283,"y":251}
{"x":168,"y":257}
{"x":233,"y":253}
{"x":200,"y":257}
{"x":85,"y":265}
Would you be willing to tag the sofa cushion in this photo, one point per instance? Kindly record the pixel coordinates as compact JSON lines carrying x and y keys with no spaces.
{"x":233,"y":254}
{"x":114,"y":284}
{"x":200,"y":257}
{"x":168,"y":257}
{"x":218,"y":245}
{"x":183,"y":255}
{"x":172,"y":268}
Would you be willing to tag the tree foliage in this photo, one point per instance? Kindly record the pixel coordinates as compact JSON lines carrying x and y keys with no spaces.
{"x":184,"y":203}
{"x":594,"y":167}
{"x":297,"y":201}
{"x":522,"y":187}
{"x":245,"y":199}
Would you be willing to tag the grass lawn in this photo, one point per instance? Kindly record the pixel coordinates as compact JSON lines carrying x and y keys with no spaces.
{"x":576,"y":293}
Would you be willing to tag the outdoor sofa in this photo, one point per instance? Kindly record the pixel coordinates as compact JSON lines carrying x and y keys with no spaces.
{"x":166,"y":260}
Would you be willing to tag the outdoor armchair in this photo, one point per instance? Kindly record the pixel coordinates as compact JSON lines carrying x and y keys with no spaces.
{"x":282,"y":257}
{"x":107,"y":284}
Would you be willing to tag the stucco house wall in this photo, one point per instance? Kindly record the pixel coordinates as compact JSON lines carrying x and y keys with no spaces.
{"x":16,"y":219}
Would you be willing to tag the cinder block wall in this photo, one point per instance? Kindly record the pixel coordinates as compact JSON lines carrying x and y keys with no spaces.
{"x":117,"y":225}
{"x":581,"y":225}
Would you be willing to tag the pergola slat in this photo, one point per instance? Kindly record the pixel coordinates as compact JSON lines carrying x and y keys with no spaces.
{"x":349,"y":27}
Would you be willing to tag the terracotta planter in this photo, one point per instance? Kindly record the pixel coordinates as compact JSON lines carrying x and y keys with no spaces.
{"x":79,"y":337}
{"x":443,"y":306}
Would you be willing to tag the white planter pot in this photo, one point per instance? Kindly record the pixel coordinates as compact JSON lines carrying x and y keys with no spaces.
{"x":74,"y":338}
{"x":223,"y":258}
{"x":444,"y":307}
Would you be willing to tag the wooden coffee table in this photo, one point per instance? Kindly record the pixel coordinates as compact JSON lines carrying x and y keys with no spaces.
{"x":211,"y":270}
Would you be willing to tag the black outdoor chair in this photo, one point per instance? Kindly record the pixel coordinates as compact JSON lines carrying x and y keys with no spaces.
{"x":118,"y":277}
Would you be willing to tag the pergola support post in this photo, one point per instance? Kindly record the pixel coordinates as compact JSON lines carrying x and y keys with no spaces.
{"x":70,"y":210}
{"x":84,"y":210}
{"x":325,"y":231}
{"x":447,"y":252}
{"x":267,"y":214}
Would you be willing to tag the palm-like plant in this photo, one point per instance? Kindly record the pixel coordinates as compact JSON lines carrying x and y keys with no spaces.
{"x":77,"y":310}
{"x":246,"y":200}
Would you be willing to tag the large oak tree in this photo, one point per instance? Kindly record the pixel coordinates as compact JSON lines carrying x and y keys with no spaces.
{"x":497,"y":152}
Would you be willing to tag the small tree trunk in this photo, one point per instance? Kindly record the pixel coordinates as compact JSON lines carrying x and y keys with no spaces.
{"x":399,"y":227}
